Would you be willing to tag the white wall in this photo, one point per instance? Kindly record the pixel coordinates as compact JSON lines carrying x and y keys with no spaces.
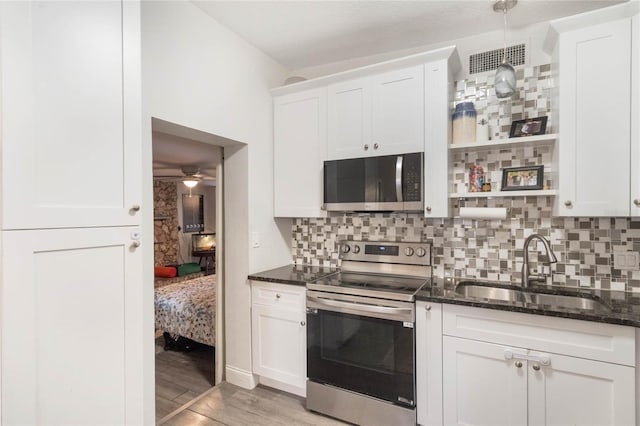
{"x":532,"y":35}
{"x":198,"y":74}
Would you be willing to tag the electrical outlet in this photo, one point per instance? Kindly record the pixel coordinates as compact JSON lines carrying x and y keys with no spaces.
{"x":255,"y":239}
{"x":626,"y":260}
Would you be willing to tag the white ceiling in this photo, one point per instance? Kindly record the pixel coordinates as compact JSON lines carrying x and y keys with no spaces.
{"x":171,"y":153}
{"x":301,"y":34}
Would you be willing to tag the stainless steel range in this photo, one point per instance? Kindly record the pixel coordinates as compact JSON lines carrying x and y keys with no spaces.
{"x":361,"y":335}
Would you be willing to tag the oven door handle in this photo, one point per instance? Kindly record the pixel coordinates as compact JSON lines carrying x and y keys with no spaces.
{"x":360,"y":306}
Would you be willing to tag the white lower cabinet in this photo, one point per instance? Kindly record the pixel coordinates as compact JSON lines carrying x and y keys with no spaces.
{"x":429,"y":363}
{"x":278,"y":336}
{"x":480,"y":387}
{"x":507,"y":368}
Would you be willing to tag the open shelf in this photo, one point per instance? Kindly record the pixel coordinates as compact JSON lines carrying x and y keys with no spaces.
{"x":505,"y":143}
{"x":503,"y":194}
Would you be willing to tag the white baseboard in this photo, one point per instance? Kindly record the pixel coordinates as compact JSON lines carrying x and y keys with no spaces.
{"x":239,"y":377}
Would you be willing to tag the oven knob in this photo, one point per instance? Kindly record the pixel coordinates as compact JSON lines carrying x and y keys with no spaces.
{"x":408,"y":251}
{"x":346,"y":248}
{"x":356,"y":249}
{"x":420,"y":252}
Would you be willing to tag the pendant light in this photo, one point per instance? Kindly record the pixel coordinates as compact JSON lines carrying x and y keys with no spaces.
{"x":505,"y":80}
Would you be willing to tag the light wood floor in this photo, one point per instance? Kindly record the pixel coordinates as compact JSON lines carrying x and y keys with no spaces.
{"x":231,"y":405}
{"x":181,"y":376}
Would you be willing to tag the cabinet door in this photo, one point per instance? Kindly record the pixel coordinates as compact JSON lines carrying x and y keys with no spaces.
{"x":635,"y":116}
{"x":594,"y":169}
{"x":300,"y":146}
{"x":71,"y":327}
{"x":429,"y":363}
{"x":437,"y":123}
{"x":480,"y":387}
{"x":398,"y":112}
{"x":579,"y":391}
{"x":279,"y":345}
{"x":349,"y":122}
{"x":71,"y":116}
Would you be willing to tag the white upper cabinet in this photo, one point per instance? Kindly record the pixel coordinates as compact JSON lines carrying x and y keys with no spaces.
{"x":398,"y":111}
{"x":300,"y":146}
{"x":438,"y":88}
{"x":597,"y":109}
{"x":594,"y":120}
{"x":635,"y":116}
{"x":378,"y":115}
{"x":71,"y":114}
{"x":349,"y":119}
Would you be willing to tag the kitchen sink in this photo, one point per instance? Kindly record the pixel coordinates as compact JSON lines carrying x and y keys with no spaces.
{"x":500,"y":292}
{"x":563,"y":301}
{"x":475,"y":291}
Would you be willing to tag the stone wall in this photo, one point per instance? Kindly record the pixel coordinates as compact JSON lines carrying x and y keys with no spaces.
{"x":165,"y":229}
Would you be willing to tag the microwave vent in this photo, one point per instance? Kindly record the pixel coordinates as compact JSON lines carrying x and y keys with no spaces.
{"x":491,"y":59}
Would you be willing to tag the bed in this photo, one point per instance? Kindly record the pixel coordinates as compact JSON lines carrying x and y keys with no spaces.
{"x":187,"y":309}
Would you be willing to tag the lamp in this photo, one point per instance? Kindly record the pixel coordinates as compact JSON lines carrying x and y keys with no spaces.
{"x":190,"y":183}
{"x":505,"y":80}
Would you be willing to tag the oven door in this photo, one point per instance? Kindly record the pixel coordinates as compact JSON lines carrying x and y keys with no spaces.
{"x":364,"y":345}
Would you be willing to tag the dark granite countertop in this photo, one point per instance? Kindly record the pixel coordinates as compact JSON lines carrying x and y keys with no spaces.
{"x":620,"y":307}
{"x":293,"y":274}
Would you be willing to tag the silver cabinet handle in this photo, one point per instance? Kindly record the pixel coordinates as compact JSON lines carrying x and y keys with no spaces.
{"x":366,"y":147}
{"x":568,"y":203}
{"x":375,"y":145}
{"x":519,"y":364}
{"x":427,"y":308}
{"x":135,"y":244}
{"x":302,"y":323}
{"x":543,"y":359}
{"x":135,"y":208}
{"x":277,"y":296}
{"x":536,"y":367}
{"x":636,"y":201}
{"x":428,"y":209}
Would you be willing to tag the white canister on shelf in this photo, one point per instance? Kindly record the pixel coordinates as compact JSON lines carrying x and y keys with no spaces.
{"x":482,"y":130}
{"x":464,"y":123}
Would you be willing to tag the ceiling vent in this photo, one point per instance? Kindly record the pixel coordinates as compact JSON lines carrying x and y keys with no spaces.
{"x":491,"y":59}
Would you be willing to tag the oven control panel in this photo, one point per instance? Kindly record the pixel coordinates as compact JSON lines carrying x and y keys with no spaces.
{"x":386,"y":252}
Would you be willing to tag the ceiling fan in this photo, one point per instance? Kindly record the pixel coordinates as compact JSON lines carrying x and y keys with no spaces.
{"x":190,"y":175}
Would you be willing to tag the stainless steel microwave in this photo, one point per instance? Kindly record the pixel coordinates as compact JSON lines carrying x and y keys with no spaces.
{"x":386,"y":183}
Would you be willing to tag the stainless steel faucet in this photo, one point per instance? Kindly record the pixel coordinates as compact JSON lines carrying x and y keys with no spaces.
{"x":525,"y":266}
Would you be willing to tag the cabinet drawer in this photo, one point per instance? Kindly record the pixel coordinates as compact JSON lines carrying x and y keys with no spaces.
{"x":583,"y":339}
{"x":274,"y":294}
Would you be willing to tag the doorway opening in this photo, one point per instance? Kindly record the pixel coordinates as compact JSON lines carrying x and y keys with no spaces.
{"x":188,"y":253}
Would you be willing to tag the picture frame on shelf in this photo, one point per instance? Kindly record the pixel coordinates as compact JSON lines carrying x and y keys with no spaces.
{"x":528,"y":127}
{"x":522,"y":178}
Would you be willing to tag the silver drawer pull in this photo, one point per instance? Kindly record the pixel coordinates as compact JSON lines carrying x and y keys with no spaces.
{"x":542,"y":358}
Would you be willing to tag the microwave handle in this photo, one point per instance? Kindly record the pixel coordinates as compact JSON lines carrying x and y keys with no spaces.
{"x":399,"y":178}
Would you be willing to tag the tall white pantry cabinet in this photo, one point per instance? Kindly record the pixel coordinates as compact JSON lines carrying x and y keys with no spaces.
{"x":71,"y":289}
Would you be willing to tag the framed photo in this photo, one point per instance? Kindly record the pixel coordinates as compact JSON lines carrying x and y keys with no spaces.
{"x":522,"y":178}
{"x":529,"y":127}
